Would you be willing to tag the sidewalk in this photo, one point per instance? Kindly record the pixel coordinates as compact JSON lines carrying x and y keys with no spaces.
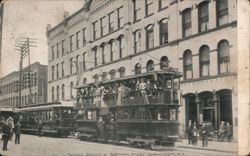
{"x":230,"y":147}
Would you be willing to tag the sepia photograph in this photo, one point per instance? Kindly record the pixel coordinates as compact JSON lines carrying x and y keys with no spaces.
{"x":124,"y":77}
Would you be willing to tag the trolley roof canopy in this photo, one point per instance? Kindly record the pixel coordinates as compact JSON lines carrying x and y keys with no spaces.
{"x":68,"y":104}
{"x":169,"y":71}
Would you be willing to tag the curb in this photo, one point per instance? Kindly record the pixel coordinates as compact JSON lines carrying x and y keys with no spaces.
{"x":210,"y":149}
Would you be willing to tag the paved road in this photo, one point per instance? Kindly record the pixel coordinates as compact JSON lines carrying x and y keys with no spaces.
{"x":44,"y":146}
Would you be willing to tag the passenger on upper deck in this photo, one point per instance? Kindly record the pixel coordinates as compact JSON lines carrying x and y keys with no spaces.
{"x":142,"y":88}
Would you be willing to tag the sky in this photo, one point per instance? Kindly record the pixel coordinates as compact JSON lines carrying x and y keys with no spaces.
{"x":29,"y":18}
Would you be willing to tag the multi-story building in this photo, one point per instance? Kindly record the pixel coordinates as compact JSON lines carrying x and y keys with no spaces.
{"x":112,"y":38}
{"x":32,"y":92}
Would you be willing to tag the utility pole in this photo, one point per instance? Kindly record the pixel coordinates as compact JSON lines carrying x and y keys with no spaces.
{"x":24,"y":48}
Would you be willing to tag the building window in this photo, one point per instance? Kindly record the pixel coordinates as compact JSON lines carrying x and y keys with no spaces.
{"x":96,"y":77}
{"x":224,"y":56}
{"x":111,"y":50}
{"x":111,"y":22}
{"x":63,"y":47}
{"x":137,"y":41}
{"x":148,"y":8}
{"x":121,"y":46}
{"x":57,"y":93}
{"x":122,"y":72}
{"x":222,"y":12}
{"x":35,"y":79}
{"x":112,"y":74}
{"x":204,"y":56}
{"x":77,"y":63}
{"x":57,"y":71}
{"x":71,"y":90}
{"x":53,"y":52}
{"x":150,"y":65}
{"x":84,"y":81}
{"x":119,"y":17}
{"x":138,"y":68}
{"x":94,"y":30}
{"x":57,"y":50}
{"x":203,"y":16}
{"x":71,"y":66}
{"x":84,"y":61}
{"x":84,"y":37}
{"x":186,"y":23}
{"x":162,"y":4}
{"x":104,"y":76}
{"x":95,"y":56}
{"x":163,"y":31}
{"x":53,"y":94}
{"x":63,"y":69}
{"x":102,"y":25}
{"x":71,"y":43}
{"x":103,"y":53}
{"x":78,"y":40}
{"x":136,"y":11}
{"x":52,"y":72}
{"x":149,"y":37}
{"x":164,"y":62}
{"x":188,"y":64}
{"x":63,"y":92}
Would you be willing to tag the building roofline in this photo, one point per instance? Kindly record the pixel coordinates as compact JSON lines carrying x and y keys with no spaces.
{"x":66,"y":19}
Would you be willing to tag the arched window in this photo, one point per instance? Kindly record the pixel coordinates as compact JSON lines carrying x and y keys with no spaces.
{"x":150,"y":36}
{"x":103,"y":53}
{"x":186,"y":22}
{"x":223,"y":56}
{"x":96,"y":77}
{"x":104,"y":76}
{"x":35,"y":98}
{"x":53,"y":93}
{"x":222,"y":12}
{"x":63,"y":92}
{"x":137,"y":41}
{"x":204,"y":57}
{"x":111,"y":47}
{"x":62,"y":68}
{"x":188,"y":64}
{"x":163,"y":24}
{"x":122,"y":72}
{"x":138,"y":68}
{"x":95,"y":55}
{"x":84,"y":81}
{"x":112,"y":74}
{"x":203,"y":16}
{"x":71,"y":90}
{"x":57,"y":93}
{"x":121,"y":45}
{"x":26,"y":99}
{"x":150,"y":65}
{"x":164,"y":62}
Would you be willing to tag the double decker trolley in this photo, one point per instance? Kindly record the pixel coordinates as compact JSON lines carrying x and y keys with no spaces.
{"x":141,"y":109}
{"x":57,"y":118}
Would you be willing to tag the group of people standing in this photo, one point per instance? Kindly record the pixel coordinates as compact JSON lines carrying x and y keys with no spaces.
{"x":144,"y":89}
{"x":225,"y":130}
{"x":8,"y":128}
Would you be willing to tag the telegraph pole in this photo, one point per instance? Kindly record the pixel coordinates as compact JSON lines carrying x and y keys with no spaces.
{"x":24,"y":48}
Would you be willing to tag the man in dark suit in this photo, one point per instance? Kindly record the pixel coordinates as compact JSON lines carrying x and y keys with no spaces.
{"x":5,"y":135}
{"x":189,"y":132}
{"x":17,"y":132}
{"x":204,"y":134}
